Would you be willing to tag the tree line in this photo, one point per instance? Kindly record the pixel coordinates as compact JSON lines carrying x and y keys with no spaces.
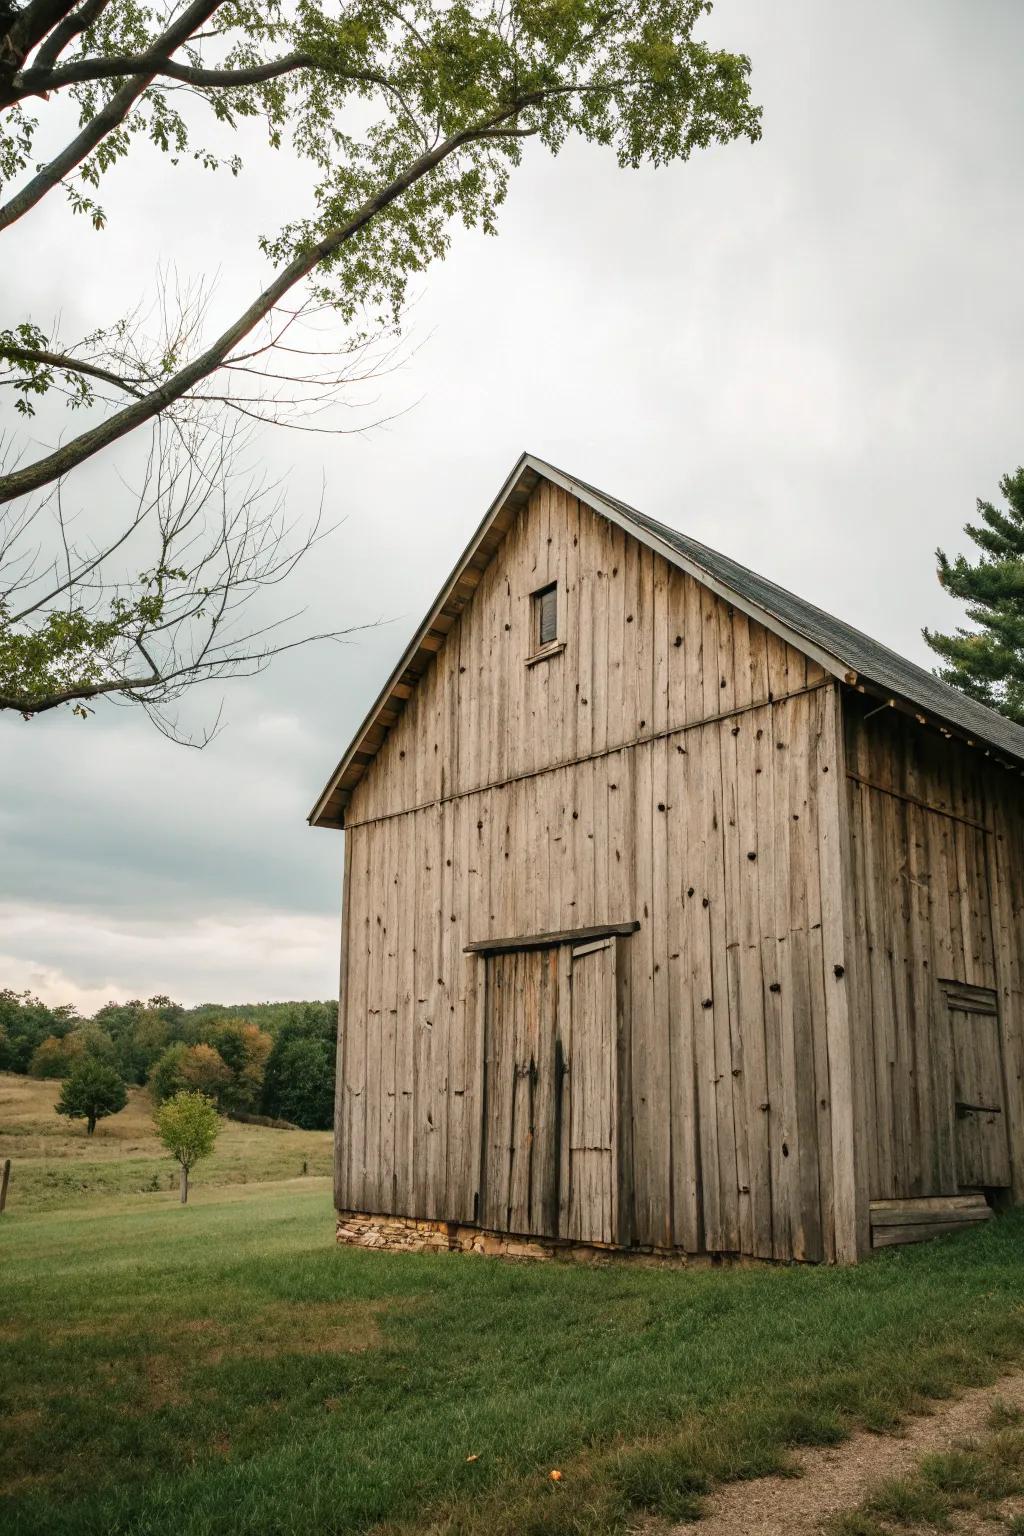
{"x":272,"y":1059}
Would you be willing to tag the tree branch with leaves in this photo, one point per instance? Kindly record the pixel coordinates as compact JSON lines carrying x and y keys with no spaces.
{"x":411,"y":117}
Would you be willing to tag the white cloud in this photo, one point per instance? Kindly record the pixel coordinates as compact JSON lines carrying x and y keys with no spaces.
{"x":66,"y":955}
{"x":804,"y":352}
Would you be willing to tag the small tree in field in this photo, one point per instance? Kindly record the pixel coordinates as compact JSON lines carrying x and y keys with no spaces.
{"x":92,"y":1092}
{"x":188,"y":1125}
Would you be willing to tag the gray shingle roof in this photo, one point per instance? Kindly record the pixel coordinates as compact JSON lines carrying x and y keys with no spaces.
{"x":843,"y":650}
{"x":871,"y":660}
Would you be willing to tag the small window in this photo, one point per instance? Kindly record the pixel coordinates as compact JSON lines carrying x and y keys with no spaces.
{"x":545,"y":612}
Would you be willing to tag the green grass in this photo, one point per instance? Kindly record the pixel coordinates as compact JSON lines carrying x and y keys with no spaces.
{"x":224,"y":1368}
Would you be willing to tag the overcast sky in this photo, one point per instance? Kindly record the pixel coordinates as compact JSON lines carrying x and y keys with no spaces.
{"x":805,"y":352}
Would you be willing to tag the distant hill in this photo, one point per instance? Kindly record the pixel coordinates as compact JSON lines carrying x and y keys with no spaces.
{"x":56,"y":1164}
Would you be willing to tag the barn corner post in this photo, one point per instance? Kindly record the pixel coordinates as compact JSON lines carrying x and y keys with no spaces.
{"x":339,"y":1079}
{"x":1005,"y":865}
{"x":845,"y":1016}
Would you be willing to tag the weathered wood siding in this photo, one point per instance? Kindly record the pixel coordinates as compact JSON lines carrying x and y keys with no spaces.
{"x":937,"y":839}
{"x":676,"y":764}
{"x":647,"y":649}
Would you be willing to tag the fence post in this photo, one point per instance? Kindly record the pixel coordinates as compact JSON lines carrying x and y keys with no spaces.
{"x":5,"y":1179}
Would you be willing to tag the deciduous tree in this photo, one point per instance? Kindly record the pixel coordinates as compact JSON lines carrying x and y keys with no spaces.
{"x":299,"y":1082}
{"x":204,"y":1070}
{"x":411,"y":118}
{"x":166,"y":1077}
{"x":188,"y":1126}
{"x":56,"y":1055}
{"x":25,"y":1023}
{"x":91,"y":1092}
{"x":244,"y":1048}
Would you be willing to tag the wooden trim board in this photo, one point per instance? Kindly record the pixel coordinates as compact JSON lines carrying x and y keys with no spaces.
{"x":548,"y":940}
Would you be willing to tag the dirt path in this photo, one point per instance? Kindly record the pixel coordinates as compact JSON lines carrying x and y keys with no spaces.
{"x":839,"y":1476}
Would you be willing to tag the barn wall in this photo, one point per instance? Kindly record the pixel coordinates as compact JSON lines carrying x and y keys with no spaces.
{"x":719,"y":835}
{"x":937,"y":846}
{"x":647,"y":649}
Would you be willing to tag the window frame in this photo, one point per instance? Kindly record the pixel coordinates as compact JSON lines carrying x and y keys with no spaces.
{"x":538,"y":612}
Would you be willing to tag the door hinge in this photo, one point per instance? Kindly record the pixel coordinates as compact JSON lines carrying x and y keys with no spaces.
{"x":976,"y":1109}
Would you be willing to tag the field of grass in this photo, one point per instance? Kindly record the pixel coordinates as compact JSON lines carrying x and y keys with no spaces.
{"x":56,"y":1164}
{"x":224,"y":1368}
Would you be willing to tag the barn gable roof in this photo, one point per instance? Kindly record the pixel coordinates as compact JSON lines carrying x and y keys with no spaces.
{"x":847,"y":653}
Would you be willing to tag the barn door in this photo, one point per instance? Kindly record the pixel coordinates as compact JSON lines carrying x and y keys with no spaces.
{"x":553,"y":1121}
{"x":521,"y":1098}
{"x":982,"y":1150}
{"x":591,"y":1105}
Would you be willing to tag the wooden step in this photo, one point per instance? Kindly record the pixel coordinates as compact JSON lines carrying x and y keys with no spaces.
{"x":917,"y":1220}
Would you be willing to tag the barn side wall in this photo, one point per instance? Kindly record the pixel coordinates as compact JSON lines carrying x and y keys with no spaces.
{"x":675,"y":765}
{"x":937,"y":853}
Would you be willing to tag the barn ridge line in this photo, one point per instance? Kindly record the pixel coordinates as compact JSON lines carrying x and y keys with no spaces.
{"x":868,"y":665}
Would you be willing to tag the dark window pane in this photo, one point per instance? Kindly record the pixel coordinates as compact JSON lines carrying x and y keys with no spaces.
{"x":547,"y":604}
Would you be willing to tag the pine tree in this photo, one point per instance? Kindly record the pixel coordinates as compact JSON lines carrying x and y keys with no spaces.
{"x":988,"y":662}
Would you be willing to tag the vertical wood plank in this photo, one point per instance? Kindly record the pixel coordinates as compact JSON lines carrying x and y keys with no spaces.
{"x":843,"y":998}
{"x":341,"y":1129}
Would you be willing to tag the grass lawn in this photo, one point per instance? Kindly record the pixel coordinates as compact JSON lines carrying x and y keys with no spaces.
{"x":56,"y":1164}
{"x":224,"y":1368}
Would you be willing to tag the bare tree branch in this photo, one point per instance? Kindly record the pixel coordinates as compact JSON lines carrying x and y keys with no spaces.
{"x":216,"y":537}
{"x":376,"y":101}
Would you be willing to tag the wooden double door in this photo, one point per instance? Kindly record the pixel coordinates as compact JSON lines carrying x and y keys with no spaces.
{"x":556,"y":1116}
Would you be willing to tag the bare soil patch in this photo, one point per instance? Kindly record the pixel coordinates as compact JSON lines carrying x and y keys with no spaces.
{"x":839,"y":1477}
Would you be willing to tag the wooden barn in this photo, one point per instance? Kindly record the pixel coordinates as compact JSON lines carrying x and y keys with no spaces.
{"x":678,"y":914}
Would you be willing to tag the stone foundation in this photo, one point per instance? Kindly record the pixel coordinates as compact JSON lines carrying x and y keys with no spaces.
{"x":409,"y":1234}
